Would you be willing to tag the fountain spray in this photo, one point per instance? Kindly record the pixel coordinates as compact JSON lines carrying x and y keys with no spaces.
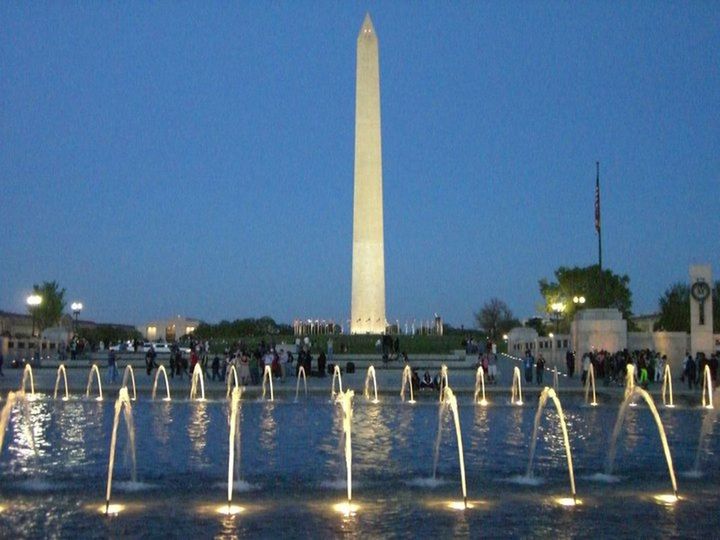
{"x":371,"y":375}
{"x":61,"y":371}
{"x":122,"y":404}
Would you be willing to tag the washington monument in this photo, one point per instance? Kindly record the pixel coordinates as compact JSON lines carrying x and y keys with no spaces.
{"x":368,"y":262}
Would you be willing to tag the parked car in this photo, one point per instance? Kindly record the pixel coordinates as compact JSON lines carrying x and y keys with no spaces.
{"x":160,"y":347}
{"x":126,"y":346}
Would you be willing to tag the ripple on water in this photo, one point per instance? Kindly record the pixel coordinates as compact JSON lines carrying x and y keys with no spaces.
{"x":602,"y":477}
{"x":426,"y":482}
{"x":525,"y":480}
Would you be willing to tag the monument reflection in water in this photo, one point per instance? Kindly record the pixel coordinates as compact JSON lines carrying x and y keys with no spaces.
{"x":299,"y":462}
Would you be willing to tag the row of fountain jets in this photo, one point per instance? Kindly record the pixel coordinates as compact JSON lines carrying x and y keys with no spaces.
{"x":448,"y":402}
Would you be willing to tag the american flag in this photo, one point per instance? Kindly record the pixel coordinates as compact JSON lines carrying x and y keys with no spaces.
{"x":597,"y":200}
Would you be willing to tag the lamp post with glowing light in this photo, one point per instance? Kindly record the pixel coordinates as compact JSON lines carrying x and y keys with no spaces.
{"x":33,"y":301}
{"x":76,"y":309}
{"x":578,"y":300}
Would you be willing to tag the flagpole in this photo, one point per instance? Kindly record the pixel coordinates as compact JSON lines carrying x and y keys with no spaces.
{"x":599,"y":231}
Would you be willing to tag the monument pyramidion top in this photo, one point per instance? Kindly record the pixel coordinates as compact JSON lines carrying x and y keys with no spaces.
{"x":367,"y":29}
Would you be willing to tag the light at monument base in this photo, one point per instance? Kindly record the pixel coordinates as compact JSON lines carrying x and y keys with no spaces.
{"x":230,"y":509}
{"x":459,"y":505}
{"x":346,"y":508}
{"x":112,"y":510}
{"x":568,"y":501}
{"x":666,"y":498}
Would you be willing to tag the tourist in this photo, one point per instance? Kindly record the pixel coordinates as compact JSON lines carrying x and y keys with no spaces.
{"x":215,"y":367}
{"x":150,"y":360}
{"x":181,"y":364}
{"x":254,"y":365}
{"x":173,"y":361}
{"x":643,"y":380}
{"x":193,"y":361}
{"x":427,"y":381}
{"x":570,"y":363}
{"x":659,"y":367}
{"x":244,"y":369}
{"x":112,"y":366}
{"x":528,"y":363}
{"x":586,"y":363}
{"x":539,"y":369}
{"x":492,"y":368}
{"x":283,"y":360}
{"x":267,"y":362}
{"x":684,"y":366}
{"x":690,"y":371}
{"x":322,"y":363}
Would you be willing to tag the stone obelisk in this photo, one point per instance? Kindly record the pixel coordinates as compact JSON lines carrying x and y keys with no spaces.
{"x":368,"y":263}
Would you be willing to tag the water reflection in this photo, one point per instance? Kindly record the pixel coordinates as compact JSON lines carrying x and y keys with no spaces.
{"x":404,"y":429}
{"x":479,"y":435}
{"x":197,"y":433}
{"x":162,"y":421}
{"x":268,"y":432}
{"x":71,"y":421}
{"x":372,"y":439}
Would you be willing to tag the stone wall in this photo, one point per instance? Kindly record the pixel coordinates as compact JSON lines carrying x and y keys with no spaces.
{"x":672,"y":344}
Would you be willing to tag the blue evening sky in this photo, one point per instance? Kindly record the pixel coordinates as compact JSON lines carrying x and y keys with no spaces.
{"x":196,"y":158}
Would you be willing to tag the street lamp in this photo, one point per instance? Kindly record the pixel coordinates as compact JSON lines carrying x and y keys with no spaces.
{"x":76,"y":309}
{"x":557,"y":309}
{"x":578,"y":300}
{"x":33,"y":301}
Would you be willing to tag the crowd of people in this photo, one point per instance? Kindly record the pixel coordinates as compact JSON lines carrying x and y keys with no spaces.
{"x":649,"y":366}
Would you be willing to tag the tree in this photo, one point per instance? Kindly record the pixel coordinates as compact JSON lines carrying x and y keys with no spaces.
{"x":675,"y":308}
{"x":601,"y":290}
{"x":538,"y":324}
{"x":495,"y":318}
{"x":51,"y":308}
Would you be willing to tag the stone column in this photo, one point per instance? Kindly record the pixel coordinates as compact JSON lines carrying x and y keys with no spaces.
{"x":701,"y":310}
{"x":368,"y":263}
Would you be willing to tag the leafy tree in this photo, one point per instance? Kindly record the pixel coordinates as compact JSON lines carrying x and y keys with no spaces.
{"x":495,"y":318}
{"x":50,"y":310}
{"x":538,"y":324}
{"x":601,"y":290}
{"x":675,"y":308}
{"x":108,"y":333}
{"x":241,"y":328}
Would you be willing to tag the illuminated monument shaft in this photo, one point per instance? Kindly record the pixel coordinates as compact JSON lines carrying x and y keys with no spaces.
{"x":368,"y":270}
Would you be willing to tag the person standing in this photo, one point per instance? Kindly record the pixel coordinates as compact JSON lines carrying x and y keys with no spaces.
{"x":150,"y":360}
{"x":570,"y":363}
{"x":492,"y":368}
{"x":585,"y":367}
{"x":112,"y":366}
{"x":216,"y":368}
{"x":2,"y":361}
{"x":690,"y":371}
{"x":539,"y":369}
{"x":528,"y":362}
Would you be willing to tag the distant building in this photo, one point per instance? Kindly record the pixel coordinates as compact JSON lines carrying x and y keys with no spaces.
{"x":168,"y":329}
{"x":645,"y":323}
